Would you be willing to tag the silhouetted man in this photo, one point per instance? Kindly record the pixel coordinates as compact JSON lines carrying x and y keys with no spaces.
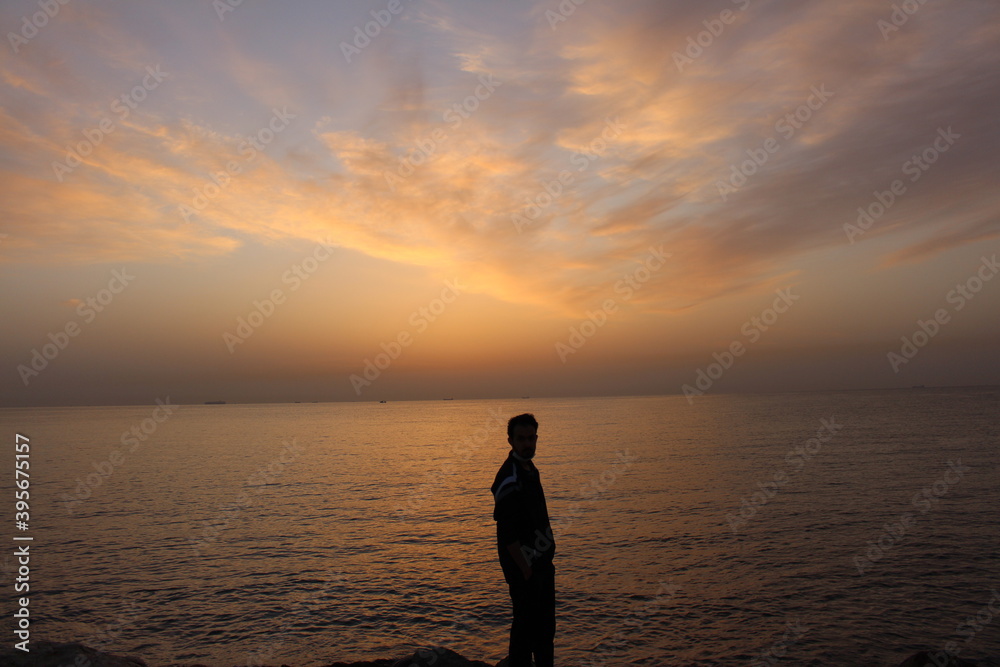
{"x":526,"y":546}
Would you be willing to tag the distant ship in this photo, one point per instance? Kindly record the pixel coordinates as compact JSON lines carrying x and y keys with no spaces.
{"x":215,"y":402}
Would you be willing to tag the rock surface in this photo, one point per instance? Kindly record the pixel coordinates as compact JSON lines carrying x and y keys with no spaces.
{"x":941,"y":659}
{"x":53,"y":654}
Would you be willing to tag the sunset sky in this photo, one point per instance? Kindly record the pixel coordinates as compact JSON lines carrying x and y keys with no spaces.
{"x":254,"y":201}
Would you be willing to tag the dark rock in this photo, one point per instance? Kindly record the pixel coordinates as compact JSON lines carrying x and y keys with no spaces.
{"x":438,"y":657}
{"x":942,"y":659}
{"x":54,"y":654}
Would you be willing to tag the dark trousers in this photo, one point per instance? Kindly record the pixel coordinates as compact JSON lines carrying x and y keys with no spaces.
{"x":533,"y":629}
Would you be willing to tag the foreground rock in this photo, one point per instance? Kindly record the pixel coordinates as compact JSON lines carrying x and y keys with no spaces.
{"x":941,"y":659}
{"x":52,"y":654}
{"x":438,"y":657}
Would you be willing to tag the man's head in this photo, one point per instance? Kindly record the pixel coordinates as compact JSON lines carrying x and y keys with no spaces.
{"x":522,"y":434}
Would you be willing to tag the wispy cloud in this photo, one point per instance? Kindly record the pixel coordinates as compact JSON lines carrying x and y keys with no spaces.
{"x":655,"y":182}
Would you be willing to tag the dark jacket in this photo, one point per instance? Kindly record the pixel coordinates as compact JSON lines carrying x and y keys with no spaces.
{"x":520,"y":512}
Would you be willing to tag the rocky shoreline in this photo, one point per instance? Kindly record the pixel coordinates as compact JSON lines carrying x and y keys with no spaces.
{"x":52,"y":654}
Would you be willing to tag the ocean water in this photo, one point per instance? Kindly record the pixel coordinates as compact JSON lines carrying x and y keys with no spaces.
{"x":847,"y":528}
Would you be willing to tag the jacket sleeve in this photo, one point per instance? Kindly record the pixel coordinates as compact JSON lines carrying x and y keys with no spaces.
{"x":508,"y":514}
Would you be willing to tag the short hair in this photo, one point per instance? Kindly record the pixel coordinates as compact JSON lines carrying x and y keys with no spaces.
{"x":527,"y":419}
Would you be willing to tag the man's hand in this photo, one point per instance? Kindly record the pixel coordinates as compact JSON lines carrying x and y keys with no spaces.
{"x":514,"y":549}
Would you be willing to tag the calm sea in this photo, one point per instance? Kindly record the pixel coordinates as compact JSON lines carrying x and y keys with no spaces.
{"x":848,"y":528}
